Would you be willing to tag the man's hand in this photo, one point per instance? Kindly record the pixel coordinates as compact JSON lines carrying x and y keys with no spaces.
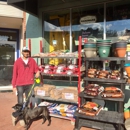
{"x":37,"y":75}
{"x":15,"y":91}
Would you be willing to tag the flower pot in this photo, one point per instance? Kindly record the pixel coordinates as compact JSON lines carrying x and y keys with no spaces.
{"x":90,"y":49}
{"x":103,"y":51}
{"x":127,"y":69}
{"x":104,"y":41}
{"x":92,"y":45}
{"x":126,"y":113}
{"x":120,"y":44}
{"x":90,"y":53}
{"x":121,"y":52}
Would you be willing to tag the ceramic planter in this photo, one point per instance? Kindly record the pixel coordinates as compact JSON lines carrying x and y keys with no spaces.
{"x":90,"y":52}
{"x":104,"y":51}
{"x":121,"y":52}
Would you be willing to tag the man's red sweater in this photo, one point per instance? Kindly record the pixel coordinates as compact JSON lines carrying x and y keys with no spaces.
{"x":23,"y":74}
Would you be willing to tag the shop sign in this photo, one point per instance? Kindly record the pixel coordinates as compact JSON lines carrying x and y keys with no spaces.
{"x":88,"y":19}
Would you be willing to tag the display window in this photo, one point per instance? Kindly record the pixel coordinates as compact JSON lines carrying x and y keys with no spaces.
{"x":103,"y":21}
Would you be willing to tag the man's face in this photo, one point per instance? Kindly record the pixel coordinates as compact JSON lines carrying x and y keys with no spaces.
{"x":26,"y":54}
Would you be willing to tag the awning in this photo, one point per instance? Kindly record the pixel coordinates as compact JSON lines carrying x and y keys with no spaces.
{"x":30,"y":6}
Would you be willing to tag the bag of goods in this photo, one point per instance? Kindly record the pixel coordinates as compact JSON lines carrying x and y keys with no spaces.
{"x":64,"y":108}
{"x":41,"y":91}
{"x":90,"y":109}
{"x":112,"y":92}
{"x":48,"y":66}
{"x":92,"y":73}
{"x":102,"y":74}
{"x":41,"y":68}
{"x":70,"y":72}
{"x":44,"y":90}
{"x":115,"y":74}
{"x":73,"y":67}
{"x":48,"y":71}
{"x":69,"y":94}
{"x":61,"y":67}
{"x":45,"y":103}
{"x":93,"y":89}
{"x":56,"y":93}
{"x":49,"y":87}
{"x":71,"y":115}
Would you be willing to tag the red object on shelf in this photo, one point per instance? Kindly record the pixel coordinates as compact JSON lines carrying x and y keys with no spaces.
{"x":79,"y":66}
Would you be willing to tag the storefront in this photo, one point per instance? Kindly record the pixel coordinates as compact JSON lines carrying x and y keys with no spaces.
{"x":61,"y":22}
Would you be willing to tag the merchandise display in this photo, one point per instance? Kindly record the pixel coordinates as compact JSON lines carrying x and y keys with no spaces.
{"x":112,"y":92}
{"x":60,"y":109}
{"x":90,"y":109}
{"x":69,"y":94}
{"x":94,"y":73}
{"x":44,"y":90}
{"x":93,"y":89}
{"x":59,"y":53}
{"x":56,"y":93}
{"x":60,"y":69}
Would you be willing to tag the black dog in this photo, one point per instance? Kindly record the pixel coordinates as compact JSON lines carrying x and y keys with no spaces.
{"x":18,"y":114}
{"x":31,"y":114}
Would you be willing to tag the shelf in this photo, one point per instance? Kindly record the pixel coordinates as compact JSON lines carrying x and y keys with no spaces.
{"x":82,"y":94}
{"x":95,"y":125}
{"x":63,"y":75}
{"x":105,"y":80}
{"x":105,"y":58}
{"x":58,"y":57}
{"x":60,"y":80}
{"x":58,"y":100}
{"x":63,"y":117}
{"x":104,"y":116}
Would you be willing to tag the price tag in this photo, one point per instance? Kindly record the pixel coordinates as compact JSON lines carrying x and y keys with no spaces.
{"x":41,"y":92}
{"x":69,"y":96}
{"x":128,"y":58}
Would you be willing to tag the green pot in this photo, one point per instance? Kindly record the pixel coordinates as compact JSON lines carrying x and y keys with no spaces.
{"x":104,"y":51}
{"x":104,"y":41}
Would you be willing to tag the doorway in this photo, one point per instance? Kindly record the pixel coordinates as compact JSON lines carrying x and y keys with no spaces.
{"x":8,"y":55}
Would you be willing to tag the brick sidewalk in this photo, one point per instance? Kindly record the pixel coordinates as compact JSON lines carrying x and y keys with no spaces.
{"x":7,"y":100}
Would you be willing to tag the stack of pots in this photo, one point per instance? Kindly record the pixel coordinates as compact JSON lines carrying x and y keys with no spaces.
{"x":103,"y":47}
{"x":90,"y":49}
{"x":127,"y":69}
{"x":119,"y":49}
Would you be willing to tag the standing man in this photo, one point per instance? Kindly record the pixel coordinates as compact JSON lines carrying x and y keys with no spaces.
{"x":23,"y":74}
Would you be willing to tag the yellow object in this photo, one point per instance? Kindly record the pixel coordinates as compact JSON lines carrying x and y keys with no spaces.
{"x":37,"y":80}
{"x":128,"y":47}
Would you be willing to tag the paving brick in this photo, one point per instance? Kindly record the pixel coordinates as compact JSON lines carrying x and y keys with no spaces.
{"x":8,"y":99}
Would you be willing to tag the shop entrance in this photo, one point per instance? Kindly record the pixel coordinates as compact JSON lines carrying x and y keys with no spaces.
{"x":8,"y":55}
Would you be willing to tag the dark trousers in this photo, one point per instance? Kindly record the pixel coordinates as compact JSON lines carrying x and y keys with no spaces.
{"x":21,"y":90}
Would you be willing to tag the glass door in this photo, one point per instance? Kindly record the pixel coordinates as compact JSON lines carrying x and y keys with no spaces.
{"x":7,"y":58}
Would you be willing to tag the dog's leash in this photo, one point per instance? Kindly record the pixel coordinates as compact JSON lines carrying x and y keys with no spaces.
{"x":37,"y":80}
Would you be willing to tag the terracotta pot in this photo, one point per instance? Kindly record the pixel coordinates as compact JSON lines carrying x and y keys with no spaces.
{"x":126,"y":114}
{"x":121,"y":52}
{"x":127,"y":69}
